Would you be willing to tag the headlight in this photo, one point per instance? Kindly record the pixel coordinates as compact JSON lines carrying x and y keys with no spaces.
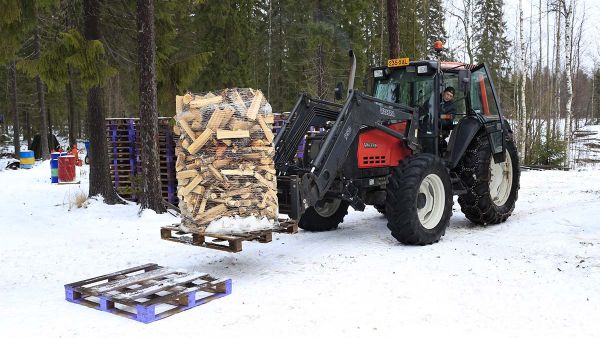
{"x":378,"y":73}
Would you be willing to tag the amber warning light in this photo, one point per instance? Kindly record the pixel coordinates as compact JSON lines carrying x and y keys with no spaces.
{"x":438,"y":46}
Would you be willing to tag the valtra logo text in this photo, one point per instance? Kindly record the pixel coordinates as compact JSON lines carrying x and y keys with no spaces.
{"x":386,"y":112}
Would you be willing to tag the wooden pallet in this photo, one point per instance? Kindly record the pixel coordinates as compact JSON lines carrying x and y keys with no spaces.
{"x":229,"y":243}
{"x":148,"y":292}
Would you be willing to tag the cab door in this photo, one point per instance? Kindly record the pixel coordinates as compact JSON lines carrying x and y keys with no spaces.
{"x":485,"y":105}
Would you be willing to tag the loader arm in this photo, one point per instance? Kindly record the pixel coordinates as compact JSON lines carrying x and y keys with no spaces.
{"x":360,"y":110}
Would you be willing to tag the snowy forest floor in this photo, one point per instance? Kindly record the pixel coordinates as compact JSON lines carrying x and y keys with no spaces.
{"x":538,"y":274}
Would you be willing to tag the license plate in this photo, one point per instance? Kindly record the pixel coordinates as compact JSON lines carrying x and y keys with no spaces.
{"x":398,"y":62}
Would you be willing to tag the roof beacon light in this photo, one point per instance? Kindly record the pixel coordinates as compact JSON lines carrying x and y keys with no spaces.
{"x":438,"y":46}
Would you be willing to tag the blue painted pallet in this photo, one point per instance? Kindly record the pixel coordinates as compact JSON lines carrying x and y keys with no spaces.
{"x":148,"y":292}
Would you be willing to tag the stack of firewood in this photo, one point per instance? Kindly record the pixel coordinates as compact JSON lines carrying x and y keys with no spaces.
{"x":225,"y":157}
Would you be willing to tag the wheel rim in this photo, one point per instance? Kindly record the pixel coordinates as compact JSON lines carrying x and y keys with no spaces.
{"x":432,"y":188}
{"x":501,"y":180}
{"x":326,"y":208}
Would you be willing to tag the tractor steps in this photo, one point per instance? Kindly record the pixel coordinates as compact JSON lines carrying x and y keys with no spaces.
{"x":457,"y":186}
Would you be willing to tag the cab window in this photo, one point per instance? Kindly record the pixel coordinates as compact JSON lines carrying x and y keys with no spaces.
{"x":406,"y":86}
{"x":482,"y":97}
{"x":451,"y":80}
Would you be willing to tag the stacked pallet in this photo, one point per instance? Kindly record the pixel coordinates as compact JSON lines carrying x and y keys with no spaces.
{"x":125,"y":157}
{"x":225,"y":159}
{"x":123,"y":160}
{"x":166,"y":157}
{"x":279,"y":121}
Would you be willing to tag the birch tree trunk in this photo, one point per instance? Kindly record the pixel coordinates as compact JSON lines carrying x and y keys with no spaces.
{"x":540,"y":92}
{"x":467,"y":22}
{"x":548,"y":76}
{"x":568,"y":9}
{"x":557,"y":74}
{"x":151,"y":197}
{"x":522,"y":82}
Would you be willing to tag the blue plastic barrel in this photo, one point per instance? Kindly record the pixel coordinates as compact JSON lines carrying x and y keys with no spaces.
{"x":27,"y":159}
{"x":54,"y":167}
{"x":87,"y":152}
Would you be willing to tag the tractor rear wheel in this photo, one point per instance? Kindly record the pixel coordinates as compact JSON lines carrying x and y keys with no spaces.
{"x":419,"y":200}
{"x":492,"y":188}
{"x":325,"y":215}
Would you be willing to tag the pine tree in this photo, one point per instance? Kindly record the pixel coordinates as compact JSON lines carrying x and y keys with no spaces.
{"x":94,"y":77}
{"x":12,"y":84}
{"x":151,"y":196}
{"x":411,"y":34}
{"x":490,"y":36}
{"x":392,"y":21}
{"x":14,"y":26}
{"x":433,"y":25}
{"x":226,"y":28}
{"x":179,"y":57}
{"x":45,"y":154}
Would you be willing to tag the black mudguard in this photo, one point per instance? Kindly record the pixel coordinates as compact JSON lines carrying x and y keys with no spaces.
{"x":461,"y":137}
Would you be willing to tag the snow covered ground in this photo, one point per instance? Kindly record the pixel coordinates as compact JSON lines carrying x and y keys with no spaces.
{"x":536,"y":275}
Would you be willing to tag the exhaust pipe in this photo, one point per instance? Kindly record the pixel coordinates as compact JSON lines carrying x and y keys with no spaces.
{"x":352,"y":71}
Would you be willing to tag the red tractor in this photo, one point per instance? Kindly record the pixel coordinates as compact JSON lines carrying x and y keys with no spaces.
{"x":389,"y":149}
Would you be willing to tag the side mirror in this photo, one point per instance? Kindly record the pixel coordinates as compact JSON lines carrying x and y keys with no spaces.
{"x":339,"y":91}
{"x":464,"y":80}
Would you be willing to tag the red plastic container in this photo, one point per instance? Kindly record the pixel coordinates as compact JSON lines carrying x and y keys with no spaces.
{"x":66,"y":168}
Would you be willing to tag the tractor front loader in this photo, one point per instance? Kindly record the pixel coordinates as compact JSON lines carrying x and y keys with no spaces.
{"x":388,"y":149}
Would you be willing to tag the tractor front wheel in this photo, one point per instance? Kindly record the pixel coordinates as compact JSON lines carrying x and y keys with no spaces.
{"x":325,"y":215}
{"x":419,"y":200}
{"x":492,"y":188}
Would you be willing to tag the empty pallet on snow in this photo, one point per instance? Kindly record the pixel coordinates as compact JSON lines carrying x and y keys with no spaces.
{"x":148,"y":292}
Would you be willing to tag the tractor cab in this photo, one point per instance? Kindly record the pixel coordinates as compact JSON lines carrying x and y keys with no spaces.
{"x":421,"y":84}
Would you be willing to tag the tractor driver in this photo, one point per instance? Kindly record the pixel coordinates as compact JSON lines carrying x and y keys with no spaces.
{"x":448,"y":109}
{"x":447,"y":114}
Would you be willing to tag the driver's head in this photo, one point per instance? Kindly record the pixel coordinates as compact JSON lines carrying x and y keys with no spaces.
{"x":448,"y":94}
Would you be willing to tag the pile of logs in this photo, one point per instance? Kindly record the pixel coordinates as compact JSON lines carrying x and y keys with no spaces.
{"x":224,"y":157}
